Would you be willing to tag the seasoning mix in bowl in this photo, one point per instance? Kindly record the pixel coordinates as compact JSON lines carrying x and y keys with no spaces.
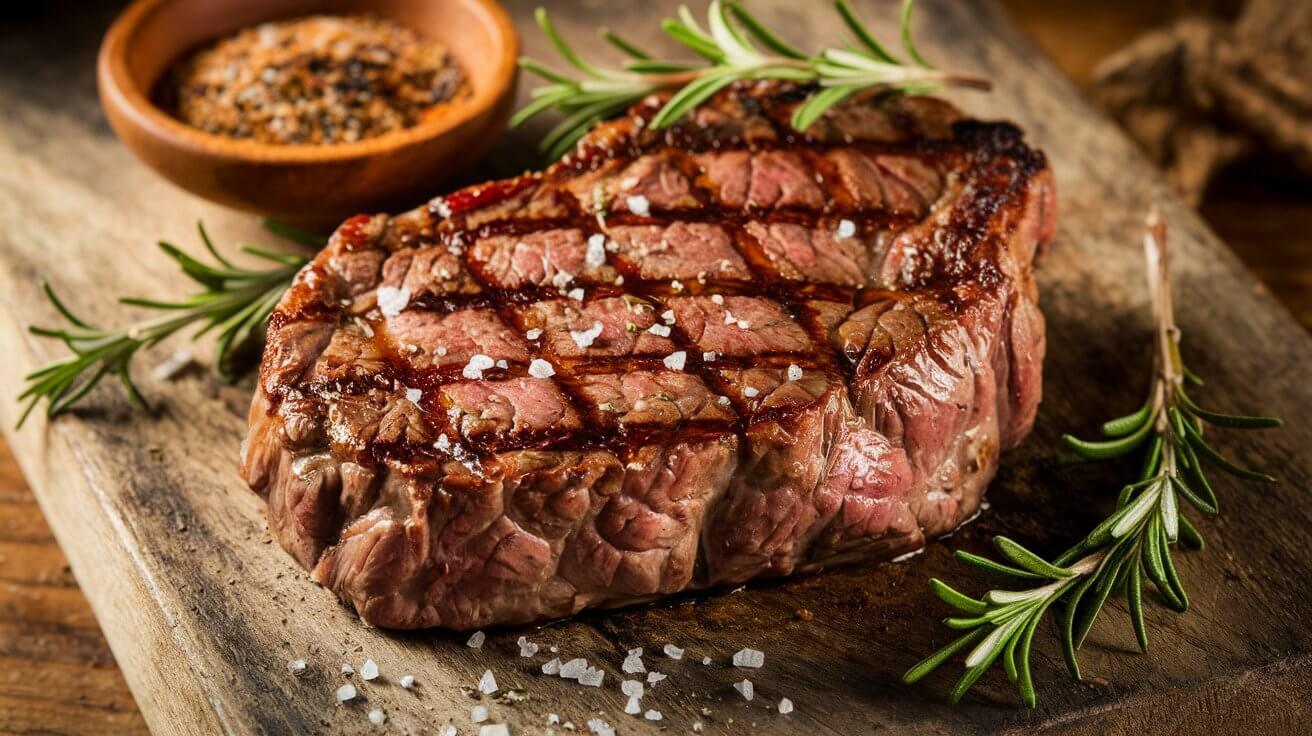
{"x":310,"y":111}
{"x":317,"y":79}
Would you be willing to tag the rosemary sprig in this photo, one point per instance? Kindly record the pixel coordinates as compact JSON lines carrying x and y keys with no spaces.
{"x":235,"y":303}
{"x":1133,"y":543}
{"x":733,"y":46}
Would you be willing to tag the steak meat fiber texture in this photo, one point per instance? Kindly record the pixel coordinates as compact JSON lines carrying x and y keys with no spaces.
{"x":674,"y":360}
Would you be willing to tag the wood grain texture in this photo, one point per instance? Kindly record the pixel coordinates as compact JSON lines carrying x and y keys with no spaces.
{"x":203,"y":612}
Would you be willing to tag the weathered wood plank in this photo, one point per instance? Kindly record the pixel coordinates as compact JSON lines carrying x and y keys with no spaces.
{"x":203,"y":613}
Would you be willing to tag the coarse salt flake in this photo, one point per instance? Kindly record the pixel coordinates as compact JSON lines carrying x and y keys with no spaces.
{"x":729,"y":318}
{"x":576,"y":294}
{"x":377,"y":716}
{"x":632,"y":688}
{"x":794,"y":372}
{"x":717,"y":299}
{"x":551,"y":668}
{"x":474,"y":369}
{"x":552,"y":719}
{"x":592,"y":677}
{"x":413,"y":395}
{"x":448,"y":730}
{"x":476,"y":640}
{"x":494,"y":729}
{"x":676,"y":360}
{"x":745,"y":687}
{"x":785,"y":706}
{"x":743,"y":324}
{"x":653,"y":715}
{"x":599,"y":727}
{"x":296,"y":666}
{"x":561,"y":279}
{"x":392,"y":300}
{"x":534,"y":333}
{"x":596,"y":253}
{"x":751,"y":392}
{"x":668,"y":316}
{"x":655,"y":677}
{"x":707,"y":660}
{"x":541,"y":369}
{"x":478,"y":713}
{"x":633,"y":707}
{"x":488,"y":684}
{"x":348,"y":670}
{"x":722,"y":401}
{"x":638,"y":205}
{"x":659,"y":330}
{"x":369,"y":670}
{"x":709,"y":355}
{"x":346,"y":692}
{"x":572,"y":669}
{"x":585,"y":338}
{"x":633,"y":664}
{"x":673,"y":652}
{"x":443,"y":443}
{"x":526,"y":647}
{"x":407,"y":681}
{"x":846,"y":228}
{"x":748,"y":658}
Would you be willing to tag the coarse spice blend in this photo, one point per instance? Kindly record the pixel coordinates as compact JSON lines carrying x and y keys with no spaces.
{"x":317,"y":79}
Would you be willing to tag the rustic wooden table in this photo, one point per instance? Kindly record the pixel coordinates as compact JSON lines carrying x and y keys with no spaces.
{"x":56,"y":672}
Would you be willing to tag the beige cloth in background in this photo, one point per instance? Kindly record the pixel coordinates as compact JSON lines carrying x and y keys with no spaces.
{"x":1204,"y":92}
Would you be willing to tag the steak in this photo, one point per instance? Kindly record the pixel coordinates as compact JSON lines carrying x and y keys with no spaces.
{"x":674,"y":360}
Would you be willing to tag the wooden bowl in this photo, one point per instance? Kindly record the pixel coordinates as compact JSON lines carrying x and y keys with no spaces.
{"x":308,"y":184}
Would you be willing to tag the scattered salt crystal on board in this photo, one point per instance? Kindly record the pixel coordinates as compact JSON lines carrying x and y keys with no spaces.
{"x":476,"y":640}
{"x":377,"y":716}
{"x":478,"y":713}
{"x":632,"y":688}
{"x":407,"y":681}
{"x":785,"y":706}
{"x":655,"y":677}
{"x":573,"y":668}
{"x":653,"y":715}
{"x":551,"y":668}
{"x":369,"y":670}
{"x":345,"y":693}
{"x":673,"y":652}
{"x":748,"y":658}
{"x":745,"y":687}
{"x":296,"y":666}
{"x":633,"y":664}
{"x":592,"y":677}
{"x":488,"y":684}
{"x":633,"y":707}
{"x":494,"y":729}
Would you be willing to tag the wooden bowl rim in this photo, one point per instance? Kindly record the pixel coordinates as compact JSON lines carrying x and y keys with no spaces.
{"x":119,"y":90}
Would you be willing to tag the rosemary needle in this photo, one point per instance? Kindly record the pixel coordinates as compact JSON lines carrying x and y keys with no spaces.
{"x":1133,"y":543}
{"x":235,"y":302}
{"x":733,"y":46}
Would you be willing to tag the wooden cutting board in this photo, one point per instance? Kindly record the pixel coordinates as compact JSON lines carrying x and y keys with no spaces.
{"x":203,"y":612}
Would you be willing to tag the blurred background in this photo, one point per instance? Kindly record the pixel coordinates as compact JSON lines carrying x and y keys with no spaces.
{"x":1216,"y":94}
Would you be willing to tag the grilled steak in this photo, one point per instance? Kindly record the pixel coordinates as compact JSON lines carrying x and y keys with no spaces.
{"x":676,"y":359}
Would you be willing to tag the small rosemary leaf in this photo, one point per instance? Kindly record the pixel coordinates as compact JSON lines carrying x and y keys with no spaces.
{"x":985,"y":563}
{"x":972,"y":675}
{"x":1189,"y":536}
{"x":932,"y":662}
{"x":1152,"y":460}
{"x":1170,"y":512}
{"x":1198,"y":501}
{"x":295,"y":234}
{"x":576,"y":61}
{"x":537,"y":106}
{"x":1212,"y":456}
{"x":1009,"y":657}
{"x":134,"y":393}
{"x":691,"y":96}
{"x":1025,"y":682}
{"x":698,"y":43}
{"x":1168,"y":567}
{"x":658,"y":67}
{"x":1068,"y":626}
{"x":818,"y":104}
{"x":1156,"y":568}
{"x":546,"y":72}
{"x":763,"y":34}
{"x":206,"y":276}
{"x":61,"y":400}
{"x":286,"y":259}
{"x":1134,"y":600}
{"x":1125,"y":425}
{"x":1109,"y":448}
{"x":859,"y":30}
{"x":1190,"y":376}
{"x":1225,"y":420}
{"x":619,"y":42}
{"x":907,"y":43}
{"x":209,"y":245}
{"x":61,"y":308}
{"x":737,"y":49}
{"x":961,"y":622}
{"x":957,"y":599}
{"x":1028,"y":560}
{"x":1106,"y":576}
{"x":1137,"y":511}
